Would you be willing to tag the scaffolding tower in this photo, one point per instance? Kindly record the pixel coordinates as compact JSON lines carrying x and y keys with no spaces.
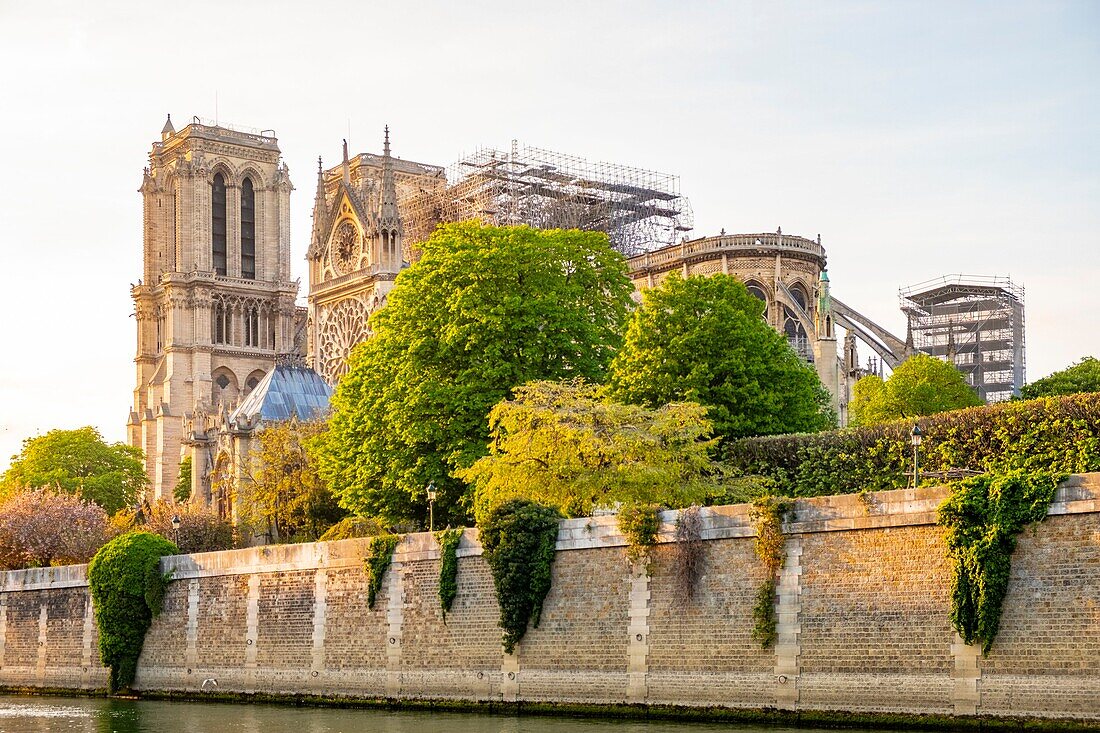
{"x":974,"y":322}
{"x":640,"y":210}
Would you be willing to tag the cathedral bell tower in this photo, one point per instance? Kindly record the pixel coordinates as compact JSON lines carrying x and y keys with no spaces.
{"x":215,"y":303}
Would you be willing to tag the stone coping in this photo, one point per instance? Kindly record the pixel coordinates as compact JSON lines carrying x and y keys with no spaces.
{"x":903,"y":507}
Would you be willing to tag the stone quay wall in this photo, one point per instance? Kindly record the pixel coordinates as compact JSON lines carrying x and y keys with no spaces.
{"x":863,"y":603}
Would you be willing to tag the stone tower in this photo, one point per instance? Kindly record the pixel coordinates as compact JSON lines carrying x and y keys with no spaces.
{"x":215,"y":304}
{"x":357,"y":249}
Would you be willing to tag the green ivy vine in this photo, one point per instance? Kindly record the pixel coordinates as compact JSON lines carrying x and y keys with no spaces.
{"x":983,"y":515}
{"x":519,"y":538}
{"x":767,"y":515}
{"x":379,"y":555}
{"x":639,"y":524}
{"x":448,"y":540}
{"x":127,"y":592}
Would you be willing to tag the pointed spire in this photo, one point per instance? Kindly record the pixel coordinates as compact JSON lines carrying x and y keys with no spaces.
{"x":168,"y":129}
{"x":347,"y":165}
{"x":320,"y":198}
{"x":387,"y":205}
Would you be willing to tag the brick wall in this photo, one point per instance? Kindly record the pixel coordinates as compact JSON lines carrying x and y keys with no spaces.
{"x":862,"y":605}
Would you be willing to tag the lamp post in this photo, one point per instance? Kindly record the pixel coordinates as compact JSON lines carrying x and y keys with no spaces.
{"x":176,"y":528}
{"x":431,"y":506}
{"x":915,"y":436}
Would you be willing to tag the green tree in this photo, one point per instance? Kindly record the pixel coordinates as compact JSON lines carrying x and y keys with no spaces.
{"x":703,"y":340}
{"x":921,"y":385}
{"x":182,"y":491}
{"x":1084,"y":376}
{"x":285,"y":494}
{"x":485,"y":309}
{"x":559,"y":444}
{"x":79,"y":462}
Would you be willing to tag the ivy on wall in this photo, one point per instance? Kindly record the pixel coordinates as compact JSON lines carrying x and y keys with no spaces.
{"x":983,"y":515}
{"x":127,"y":592}
{"x":767,"y":515}
{"x":519,"y":538}
{"x":639,"y":524}
{"x":689,"y":552}
{"x":379,"y":555}
{"x":448,"y":540}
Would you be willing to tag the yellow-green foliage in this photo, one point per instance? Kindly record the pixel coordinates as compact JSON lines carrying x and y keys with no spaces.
{"x":1057,"y":434}
{"x":983,"y":515}
{"x":639,"y":523}
{"x":561,"y":444}
{"x":767,"y":517}
{"x":127,"y":591}
{"x":921,"y":385}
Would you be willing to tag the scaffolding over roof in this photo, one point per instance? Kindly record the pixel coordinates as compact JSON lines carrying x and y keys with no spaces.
{"x":975,"y":322}
{"x":640,"y":210}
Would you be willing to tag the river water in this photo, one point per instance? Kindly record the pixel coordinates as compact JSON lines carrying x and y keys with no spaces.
{"x":99,"y":715}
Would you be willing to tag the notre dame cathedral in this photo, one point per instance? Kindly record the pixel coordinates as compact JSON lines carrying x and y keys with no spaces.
{"x":221,"y":342}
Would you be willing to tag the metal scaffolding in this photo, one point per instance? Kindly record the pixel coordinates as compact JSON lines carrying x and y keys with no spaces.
{"x":639,"y":210}
{"x":974,"y":322}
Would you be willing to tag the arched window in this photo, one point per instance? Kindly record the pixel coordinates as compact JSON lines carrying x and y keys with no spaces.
{"x":220,"y":330}
{"x":757,"y":289}
{"x":248,"y":230}
{"x":217,"y":223}
{"x":396,"y":250}
{"x":799,"y":296}
{"x":252,"y":326}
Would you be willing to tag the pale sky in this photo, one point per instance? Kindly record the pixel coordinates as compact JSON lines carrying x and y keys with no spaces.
{"x":918,"y":138}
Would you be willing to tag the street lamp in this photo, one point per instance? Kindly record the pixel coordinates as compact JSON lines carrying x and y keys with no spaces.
{"x":915,"y":436}
{"x":176,"y":527}
{"x":431,"y":506}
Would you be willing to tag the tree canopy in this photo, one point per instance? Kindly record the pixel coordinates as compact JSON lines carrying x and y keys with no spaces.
{"x":79,"y":462}
{"x":43,"y":527}
{"x":484,"y":309}
{"x":1084,"y":376}
{"x":285,"y":495}
{"x":702,"y":339}
{"x":561,"y":445}
{"x":921,"y":385}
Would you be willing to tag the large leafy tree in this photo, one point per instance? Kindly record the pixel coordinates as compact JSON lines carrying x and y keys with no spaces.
{"x":285,"y":495}
{"x":485,"y":309}
{"x":1084,"y":376}
{"x":702,"y":339}
{"x":79,"y":462}
{"x":921,"y":385}
{"x":562,"y":445}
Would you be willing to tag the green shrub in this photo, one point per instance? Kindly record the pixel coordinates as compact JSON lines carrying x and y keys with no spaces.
{"x":127,"y":592}
{"x":983,"y":515}
{"x":639,"y":524}
{"x":379,"y":556}
{"x":448,"y":540}
{"x":519,"y":538}
{"x":1059,"y":434}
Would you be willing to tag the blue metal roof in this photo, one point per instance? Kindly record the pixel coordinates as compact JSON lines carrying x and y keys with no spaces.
{"x":287,"y":391}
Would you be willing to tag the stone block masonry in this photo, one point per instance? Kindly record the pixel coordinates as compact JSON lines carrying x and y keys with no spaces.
{"x":862,"y":604}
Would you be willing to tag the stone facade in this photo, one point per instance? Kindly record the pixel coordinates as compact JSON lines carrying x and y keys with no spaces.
{"x":862,"y":608}
{"x":358,"y":247}
{"x":215,"y":303}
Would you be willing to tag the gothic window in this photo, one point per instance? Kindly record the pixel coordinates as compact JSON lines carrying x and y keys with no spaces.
{"x":395,"y":257}
{"x":224,"y":387}
{"x":799,"y":296}
{"x":756,"y":289}
{"x":252,"y":326}
{"x":217,"y":223}
{"x":341,"y":328}
{"x":220,"y":329}
{"x":248,"y":230}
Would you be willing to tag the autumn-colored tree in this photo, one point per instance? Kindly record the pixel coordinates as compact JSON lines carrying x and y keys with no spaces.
{"x":921,"y":385}
{"x":40,"y":527}
{"x":79,"y":462}
{"x":560,"y":444}
{"x":284,"y":493}
{"x":702,"y":339}
{"x":484,"y":310}
{"x":200,"y":530}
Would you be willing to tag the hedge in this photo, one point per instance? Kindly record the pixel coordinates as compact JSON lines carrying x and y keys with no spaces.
{"x":1054,"y":434}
